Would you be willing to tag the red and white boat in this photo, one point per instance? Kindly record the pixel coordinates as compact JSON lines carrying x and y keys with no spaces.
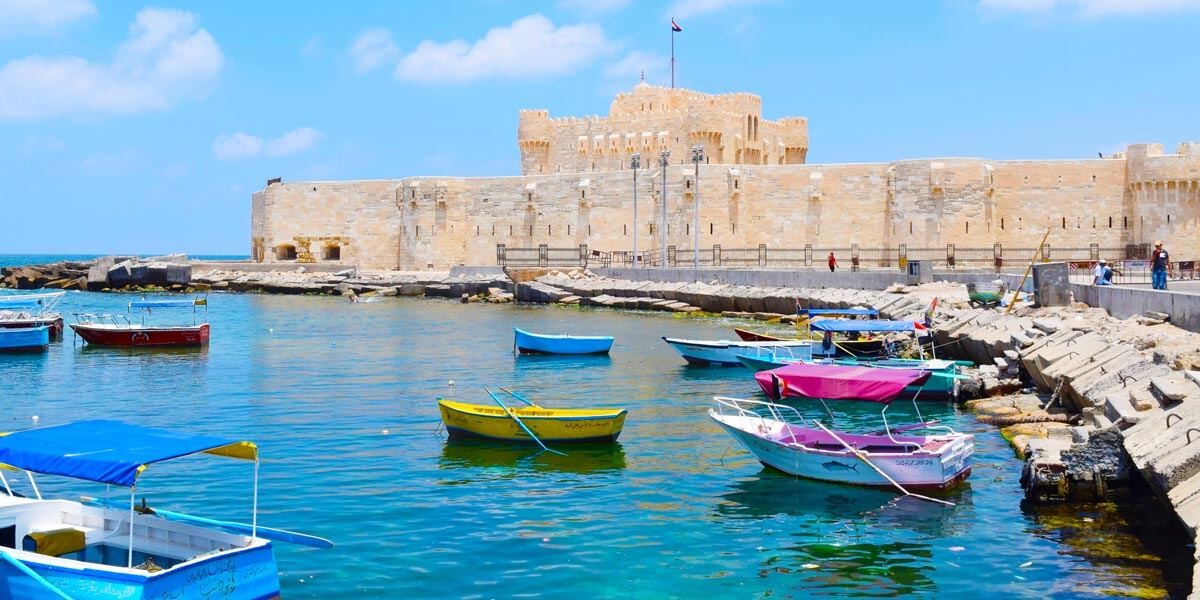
{"x":22,"y":311}
{"x":119,"y":330}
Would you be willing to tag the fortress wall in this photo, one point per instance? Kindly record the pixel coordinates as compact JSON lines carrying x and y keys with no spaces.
{"x":358,"y":217}
{"x":1081,"y":202}
{"x":971,"y":203}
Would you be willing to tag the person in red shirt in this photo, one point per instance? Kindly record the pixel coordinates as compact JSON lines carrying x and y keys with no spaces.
{"x":832,"y":262}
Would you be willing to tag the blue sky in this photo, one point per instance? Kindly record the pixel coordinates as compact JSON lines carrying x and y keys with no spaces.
{"x":135,"y":127}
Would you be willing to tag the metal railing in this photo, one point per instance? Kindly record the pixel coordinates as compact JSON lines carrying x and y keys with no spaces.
{"x":996,"y":258}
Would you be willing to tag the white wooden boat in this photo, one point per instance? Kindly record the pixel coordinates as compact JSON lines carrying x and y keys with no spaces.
{"x":940,"y":458}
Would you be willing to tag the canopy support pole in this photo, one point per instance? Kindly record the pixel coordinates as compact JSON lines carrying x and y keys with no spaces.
{"x":132,"y":491}
{"x":36,"y":491}
{"x":254,"y":510}
{"x":860,"y":456}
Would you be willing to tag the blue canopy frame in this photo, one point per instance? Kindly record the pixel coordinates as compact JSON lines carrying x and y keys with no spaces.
{"x":148,"y":303}
{"x":108,"y":451}
{"x":855,"y":312}
{"x":112,"y":452}
{"x":877,"y":325}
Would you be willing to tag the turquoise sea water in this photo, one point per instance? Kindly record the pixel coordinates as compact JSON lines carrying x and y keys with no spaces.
{"x":21,"y":260}
{"x":340,"y":398}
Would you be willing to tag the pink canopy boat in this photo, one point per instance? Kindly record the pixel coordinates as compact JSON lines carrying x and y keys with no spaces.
{"x":838,"y":382}
{"x":940,"y":459}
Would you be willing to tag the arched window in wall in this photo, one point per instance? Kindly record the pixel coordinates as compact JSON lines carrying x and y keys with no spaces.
{"x":285,"y":252}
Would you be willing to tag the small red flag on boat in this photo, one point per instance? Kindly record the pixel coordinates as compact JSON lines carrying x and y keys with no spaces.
{"x":675,"y":26}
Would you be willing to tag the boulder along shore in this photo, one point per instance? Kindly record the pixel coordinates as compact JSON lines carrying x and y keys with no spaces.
{"x":1091,"y":402}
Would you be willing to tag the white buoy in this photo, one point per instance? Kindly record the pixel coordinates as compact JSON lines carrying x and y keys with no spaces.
{"x":36,"y":419}
{"x":271,"y":330}
{"x":385,"y":432}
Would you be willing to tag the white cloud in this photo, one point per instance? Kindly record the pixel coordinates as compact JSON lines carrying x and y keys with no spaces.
{"x":41,"y":15}
{"x":531,"y":47}
{"x":240,"y":145}
{"x":373,"y":48}
{"x":1091,"y":8}
{"x":237,"y":145}
{"x":592,"y":6}
{"x":683,"y":9}
{"x":299,"y":140}
{"x":166,"y":58}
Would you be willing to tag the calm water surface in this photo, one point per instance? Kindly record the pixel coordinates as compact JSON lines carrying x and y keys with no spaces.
{"x":340,"y":398}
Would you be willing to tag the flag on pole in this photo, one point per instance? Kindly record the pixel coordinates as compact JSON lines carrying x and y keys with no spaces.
{"x":675,"y":26}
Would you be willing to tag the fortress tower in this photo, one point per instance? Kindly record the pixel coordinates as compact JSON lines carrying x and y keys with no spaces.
{"x":651,"y":119}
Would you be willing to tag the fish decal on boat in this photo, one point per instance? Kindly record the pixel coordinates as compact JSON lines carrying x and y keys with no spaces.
{"x":834,"y":465}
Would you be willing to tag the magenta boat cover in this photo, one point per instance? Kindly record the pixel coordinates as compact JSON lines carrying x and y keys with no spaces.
{"x":838,"y":382}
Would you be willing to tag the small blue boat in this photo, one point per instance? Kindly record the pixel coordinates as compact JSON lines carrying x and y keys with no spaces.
{"x":536,"y":343}
{"x":24,"y":339}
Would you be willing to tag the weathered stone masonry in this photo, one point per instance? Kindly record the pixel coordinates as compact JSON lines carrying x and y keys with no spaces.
{"x":577,"y":188}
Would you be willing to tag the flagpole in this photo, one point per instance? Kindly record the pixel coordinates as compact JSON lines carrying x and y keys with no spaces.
{"x":672,"y":52}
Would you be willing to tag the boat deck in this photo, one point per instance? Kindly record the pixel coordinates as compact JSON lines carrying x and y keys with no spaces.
{"x":871,"y":444}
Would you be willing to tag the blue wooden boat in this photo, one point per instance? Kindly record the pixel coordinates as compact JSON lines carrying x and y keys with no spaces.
{"x":58,"y":548}
{"x":536,"y":343}
{"x":24,"y":339}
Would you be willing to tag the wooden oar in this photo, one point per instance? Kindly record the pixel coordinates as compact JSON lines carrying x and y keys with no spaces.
{"x":863,"y":458}
{"x":520,"y":423}
{"x":519,"y":397}
{"x":270,"y":533}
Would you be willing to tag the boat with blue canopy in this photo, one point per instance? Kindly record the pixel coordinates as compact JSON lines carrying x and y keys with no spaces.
{"x":527,"y":342}
{"x":120,"y":330}
{"x":21,"y":311}
{"x":944,"y":381}
{"x":97,"y":549}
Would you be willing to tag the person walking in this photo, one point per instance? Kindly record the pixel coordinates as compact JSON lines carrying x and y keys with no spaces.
{"x":832,"y":262}
{"x":1102,"y":274}
{"x":1160,"y":266}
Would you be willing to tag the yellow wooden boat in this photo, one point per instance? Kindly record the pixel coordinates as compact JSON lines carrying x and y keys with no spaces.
{"x":551,"y":425}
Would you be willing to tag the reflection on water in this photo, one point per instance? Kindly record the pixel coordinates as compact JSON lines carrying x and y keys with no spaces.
{"x":495,"y":457}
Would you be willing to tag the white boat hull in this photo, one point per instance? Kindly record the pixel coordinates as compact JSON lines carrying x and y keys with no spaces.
{"x":831,"y":462}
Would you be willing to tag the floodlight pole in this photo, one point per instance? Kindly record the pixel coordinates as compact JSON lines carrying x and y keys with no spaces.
{"x":635,"y":162}
{"x":663,"y":159}
{"x":697,"y":157}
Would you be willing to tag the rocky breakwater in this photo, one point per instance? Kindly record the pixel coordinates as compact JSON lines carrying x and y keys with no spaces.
{"x":171,"y":272}
{"x":584,"y":288}
{"x":1119,"y":399}
{"x":489,"y":286}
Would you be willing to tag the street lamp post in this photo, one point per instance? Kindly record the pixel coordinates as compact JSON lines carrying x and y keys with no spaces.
{"x":635,"y":161}
{"x":697,"y":157}
{"x":663,"y":159}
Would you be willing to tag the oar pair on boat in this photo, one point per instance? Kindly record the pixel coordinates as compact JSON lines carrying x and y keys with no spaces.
{"x":530,"y":423}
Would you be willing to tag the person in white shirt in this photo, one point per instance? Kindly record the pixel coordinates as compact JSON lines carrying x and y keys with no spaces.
{"x":1100,"y":274}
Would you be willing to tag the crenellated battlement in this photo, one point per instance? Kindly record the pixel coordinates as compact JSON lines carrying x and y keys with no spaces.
{"x":653,"y":119}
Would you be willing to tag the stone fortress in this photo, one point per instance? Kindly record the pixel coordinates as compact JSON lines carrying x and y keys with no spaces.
{"x":576,"y":188}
